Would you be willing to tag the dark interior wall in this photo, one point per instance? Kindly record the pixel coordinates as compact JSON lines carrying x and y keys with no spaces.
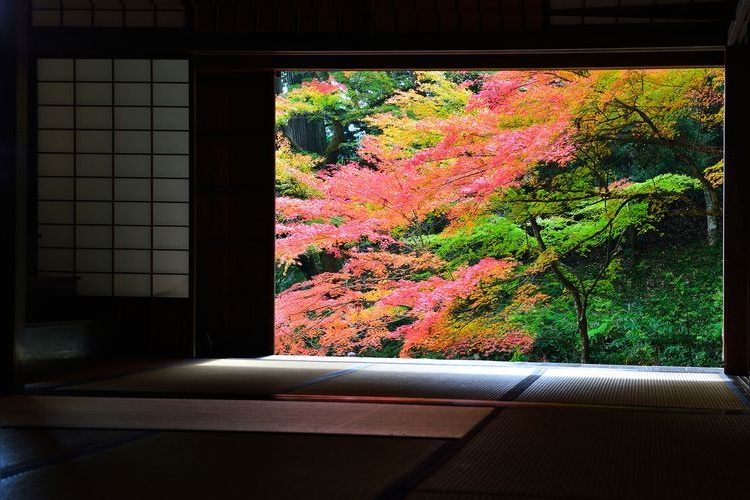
{"x":233,"y":206}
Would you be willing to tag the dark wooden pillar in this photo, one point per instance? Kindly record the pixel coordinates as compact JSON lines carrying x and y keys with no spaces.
{"x":12,"y":230}
{"x":737,"y":212}
{"x":234,"y":213}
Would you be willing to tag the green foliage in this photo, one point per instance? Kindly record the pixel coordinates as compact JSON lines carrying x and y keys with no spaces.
{"x":556,"y":339}
{"x":667,"y":310}
{"x":491,"y":236}
{"x":287,"y":276}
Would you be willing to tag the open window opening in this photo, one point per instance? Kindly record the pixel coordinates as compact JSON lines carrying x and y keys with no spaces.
{"x":561,"y":216}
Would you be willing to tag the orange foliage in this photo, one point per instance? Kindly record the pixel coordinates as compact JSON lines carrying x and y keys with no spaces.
{"x":434,"y":162}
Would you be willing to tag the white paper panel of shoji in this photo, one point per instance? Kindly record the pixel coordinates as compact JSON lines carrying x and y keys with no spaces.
{"x":132,"y":165}
{"x":138,"y":142}
{"x":171,"y":214}
{"x":171,"y":94}
{"x":177,"y":166}
{"x":133,"y":189}
{"x":88,"y":212}
{"x":171,"y":285}
{"x":171,"y":143}
{"x":168,"y":261}
{"x":94,"y":260}
{"x":93,"y":189}
{"x":55,"y":116}
{"x":94,"y":94}
{"x":93,"y":141}
{"x":133,"y":70}
{"x":171,"y":70}
{"x":56,"y":259}
{"x":55,"y":93}
{"x":171,"y":119}
{"x":55,"y":212}
{"x":132,"y":214}
{"x":138,"y":237}
{"x":45,"y":18}
{"x":132,"y":94}
{"x":94,"y":237}
{"x":133,"y":285}
{"x":133,"y":118}
{"x":132,"y":261}
{"x":56,"y":236}
{"x":171,"y":190}
{"x":55,"y":141}
{"x":94,"y":284}
{"x":55,"y":164}
{"x":108,"y":18}
{"x":55,"y":70}
{"x":96,"y":117}
{"x":94,"y":70}
{"x":172,"y":238}
{"x":55,"y":188}
{"x":94,"y":165}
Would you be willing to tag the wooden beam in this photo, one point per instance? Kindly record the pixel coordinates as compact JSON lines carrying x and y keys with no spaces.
{"x":699,"y":11}
{"x":241,"y":63}
{"x":555,"y":39}
{"x":736,"y":213}
{"x":12,"y":226}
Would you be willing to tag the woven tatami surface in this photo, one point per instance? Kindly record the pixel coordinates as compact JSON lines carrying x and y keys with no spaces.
{"x":429,"y":421}
{"x":428,"y":380}
{"x":579,"y":453}
{"x":218,"y":377}
{"x":634,"y":388}
{"x":221,"y":465}
{"x":423,"y":381}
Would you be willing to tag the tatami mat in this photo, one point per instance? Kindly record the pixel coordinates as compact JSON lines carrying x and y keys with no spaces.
{"x":433,"y":495}
{"x":227,"y":466}
{"x":78,"y":371}
{"x":220,"y":377}
{"x":24,"y":448}
{"x":423,"y":381}
{"x":632,"y":387}
{"x":577,"y":453}
{"x":237,"y":378}
{"x":231,"y":415}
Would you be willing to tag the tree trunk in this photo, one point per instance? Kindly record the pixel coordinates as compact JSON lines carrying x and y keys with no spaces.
{"x":583,"y":331}
{"x":332,"y":150}
{"x":711,"y":199}
{"x":712,"y":222}
{"x":579,"y":301}
{"x":304,"y":133}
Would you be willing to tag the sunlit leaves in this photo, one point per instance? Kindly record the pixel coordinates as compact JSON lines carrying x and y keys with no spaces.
{"x":431,"y":223}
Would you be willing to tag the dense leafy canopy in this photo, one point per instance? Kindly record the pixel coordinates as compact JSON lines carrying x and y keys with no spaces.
{"x":488,"y":214}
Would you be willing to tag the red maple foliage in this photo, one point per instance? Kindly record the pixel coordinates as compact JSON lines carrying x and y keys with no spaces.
{"x":513,"y":124}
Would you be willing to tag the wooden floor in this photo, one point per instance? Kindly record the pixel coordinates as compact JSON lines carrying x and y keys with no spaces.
{"x":296,"y":427}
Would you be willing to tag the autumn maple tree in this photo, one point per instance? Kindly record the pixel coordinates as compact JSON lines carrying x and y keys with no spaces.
{"x":360,"y":243}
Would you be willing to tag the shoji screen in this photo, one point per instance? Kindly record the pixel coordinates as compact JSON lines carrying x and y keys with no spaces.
{"x":113,"y":155}
{"x":108,"y":13}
